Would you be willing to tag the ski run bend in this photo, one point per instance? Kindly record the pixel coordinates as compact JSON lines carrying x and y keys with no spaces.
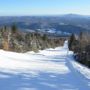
{"x":50,"y":69}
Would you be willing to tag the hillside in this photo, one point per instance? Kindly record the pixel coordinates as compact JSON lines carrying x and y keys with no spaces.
{"x":50,"y":69}
{"x":65,"y":23}
{"x":12,"y":39}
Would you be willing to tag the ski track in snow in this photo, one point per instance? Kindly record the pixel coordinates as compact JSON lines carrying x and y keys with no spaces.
{"x":50,"y":69}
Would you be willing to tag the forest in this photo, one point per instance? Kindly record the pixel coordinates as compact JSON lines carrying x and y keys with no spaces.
{"x":12,"y":39}
{"x":80,"y":44}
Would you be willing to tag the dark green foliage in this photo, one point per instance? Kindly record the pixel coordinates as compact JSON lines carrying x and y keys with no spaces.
{"x":71,"y":41}
{"x":14,"y":28}
{"x":81,"y":48}
{"x":44,"y":37}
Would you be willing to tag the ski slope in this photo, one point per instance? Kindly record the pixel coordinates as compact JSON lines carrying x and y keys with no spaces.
{"x":50,"y":69}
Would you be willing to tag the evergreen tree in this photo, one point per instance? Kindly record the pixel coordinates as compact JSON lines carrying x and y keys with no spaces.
{"x":72,"y":39}
{"x":44,"y":37}
{"x":14,"y":28}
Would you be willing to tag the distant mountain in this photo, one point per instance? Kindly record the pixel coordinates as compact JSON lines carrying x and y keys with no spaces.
{"x":74,"y":16}
{"x":69,"y":23}
{"x":77,"y":20}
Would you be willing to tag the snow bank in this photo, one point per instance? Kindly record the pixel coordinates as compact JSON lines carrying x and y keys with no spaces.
{"x":82,"y":69}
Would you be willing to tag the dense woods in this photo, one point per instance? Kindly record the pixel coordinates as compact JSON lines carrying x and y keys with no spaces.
{"x":12,"y":39}
{"x":81,"y":47}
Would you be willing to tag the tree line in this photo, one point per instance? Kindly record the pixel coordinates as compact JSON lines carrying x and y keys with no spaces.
{"x":80,"y":44}
{"x":12,"y":39}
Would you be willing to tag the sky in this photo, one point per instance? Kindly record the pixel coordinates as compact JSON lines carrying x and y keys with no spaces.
{"x":43,"y":7}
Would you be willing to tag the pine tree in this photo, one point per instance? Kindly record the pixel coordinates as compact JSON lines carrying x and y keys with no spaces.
{"x":44,"y":37}
{"x":72,"y":39}
{"x":14,"y":28}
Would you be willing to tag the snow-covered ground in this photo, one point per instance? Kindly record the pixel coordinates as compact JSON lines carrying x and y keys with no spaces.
{"x":50,"y":69}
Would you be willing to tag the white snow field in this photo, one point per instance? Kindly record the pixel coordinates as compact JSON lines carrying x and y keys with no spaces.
{"x":50,"y":69}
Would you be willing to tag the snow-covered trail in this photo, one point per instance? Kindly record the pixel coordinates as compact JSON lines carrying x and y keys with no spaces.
{"x":50,"y":69}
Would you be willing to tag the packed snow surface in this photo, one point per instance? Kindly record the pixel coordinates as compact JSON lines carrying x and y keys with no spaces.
{"x":50,"y":69}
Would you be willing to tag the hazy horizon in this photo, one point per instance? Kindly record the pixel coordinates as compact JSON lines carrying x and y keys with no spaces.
{"x":52,"y":15}
{"x":43,"y":7}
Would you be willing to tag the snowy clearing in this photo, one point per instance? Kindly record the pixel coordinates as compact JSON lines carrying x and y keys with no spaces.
{"x":50,"y":69}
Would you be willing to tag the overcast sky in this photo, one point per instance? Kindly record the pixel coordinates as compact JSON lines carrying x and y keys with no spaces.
{"x":43,"y":7}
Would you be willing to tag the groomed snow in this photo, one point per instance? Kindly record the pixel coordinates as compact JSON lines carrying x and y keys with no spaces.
{"x":50,"y":69}
{"x":82,"y":69}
